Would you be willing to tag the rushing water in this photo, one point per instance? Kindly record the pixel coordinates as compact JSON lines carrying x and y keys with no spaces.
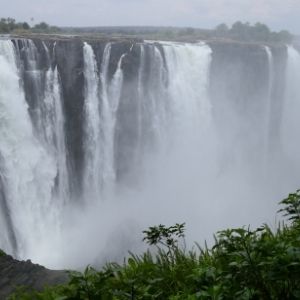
{"x":291,"y":121}
{"x":92,"y":176}
{"x":27,"y":169}
{"x":157,"y":148}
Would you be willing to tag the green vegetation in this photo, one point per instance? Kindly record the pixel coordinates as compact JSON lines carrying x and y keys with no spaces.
{"x":2,"y":253}
{"x":243,"y":32}
{"x":9,"y":25}
{"x":246,"y":32}
{"x":239,"y":31}
{"x":243,"y":264}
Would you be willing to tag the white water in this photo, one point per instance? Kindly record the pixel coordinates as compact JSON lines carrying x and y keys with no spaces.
{"x":291,"y":121}
{"x":92,"y":173}
{"x":186,"y":156}
{"x":268,"y":106}
{"x":100,"y":121}
{"x":27,"y":169}
{"x":107,"y":126}
{"x":110,"y":102}
{"x":140,"y":106}
{"x":189,"y":102}
{"x":54,"y":133}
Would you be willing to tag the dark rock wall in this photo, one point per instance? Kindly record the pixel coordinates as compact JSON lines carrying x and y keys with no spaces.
{"x":14,"y":273}
{"x":239,"y":78}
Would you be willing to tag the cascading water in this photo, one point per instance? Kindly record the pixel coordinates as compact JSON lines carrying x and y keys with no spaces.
{"x":107,"y":124}
{"x":189,"y":103}
{"x":147,"y":117}
{"x":291,"y":122}
{"x":54,"y":134}
{"x":100,"y":122}
{"x":27,"y":169}
{"x":110,"y":101}
{"x":268,"y":107}
{"x":92,"y":176}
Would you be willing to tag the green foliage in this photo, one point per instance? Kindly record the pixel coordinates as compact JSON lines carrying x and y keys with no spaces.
{"x":222,"y":30}
{"x":8,"y":25}
{"x":45,"y":28}
{"x":258,"y":32}
{"x":2,"y":253}
{"x":42,"y":26}
{"x":243,"y":264}
{"x":165,"y":236}
{"x":25,"y":26}
{"x":292,"y":207}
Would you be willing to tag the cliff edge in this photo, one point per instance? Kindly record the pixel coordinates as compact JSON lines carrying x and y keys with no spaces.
{"x":14,"y":273}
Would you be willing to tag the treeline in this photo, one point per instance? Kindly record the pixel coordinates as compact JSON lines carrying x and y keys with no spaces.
{"x":244,"y":32}
{"x":247,"y":32}
{"x":9,"y":25}
{"x":239,"y":31}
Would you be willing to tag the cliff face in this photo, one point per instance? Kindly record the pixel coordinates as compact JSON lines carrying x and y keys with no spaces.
{"x":248,"y":80}
{"x":14,"y":273}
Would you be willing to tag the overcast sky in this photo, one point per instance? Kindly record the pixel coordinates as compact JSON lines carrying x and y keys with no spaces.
{"x":278,"y":14}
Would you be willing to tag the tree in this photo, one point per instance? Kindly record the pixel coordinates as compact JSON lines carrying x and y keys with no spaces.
{"x":222,"y":30}
{"x":42,"y":26}
{"x":260,"y":32}
{"x":11,"y":23}
{"x":241,"y":31}
{"x":25,"y":26}
{"x":3,"y":26}
{"x":284,"y":36}
{"x":165,"y":236}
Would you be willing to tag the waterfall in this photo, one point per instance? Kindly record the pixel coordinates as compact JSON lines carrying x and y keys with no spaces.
{"x":149,"y":139}
{"x":182,"y":122}
{"x":27,"y":57}
{"x":156,"y":102}
{"x":190,"y":104}
{"x":54,"y":133}
{"x":268,"y":105}
{"x":108,"y":123}
{"x":176,"y":102}
{"x":27,"y":169}
{"x":115,"y":87}
{"x":100,"y":121}
{"x":140,"y":105}
{"x":291,"y":121}
{"x":114,"y":93}
{"x":92,"y":172}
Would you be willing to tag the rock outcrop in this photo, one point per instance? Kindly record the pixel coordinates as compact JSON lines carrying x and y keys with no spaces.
{"x":14,"y":273}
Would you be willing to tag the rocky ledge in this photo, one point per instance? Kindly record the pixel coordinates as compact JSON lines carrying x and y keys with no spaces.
{"x":14,"y":273}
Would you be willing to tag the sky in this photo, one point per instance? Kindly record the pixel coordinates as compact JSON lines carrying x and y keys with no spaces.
{"x":277,"y":14}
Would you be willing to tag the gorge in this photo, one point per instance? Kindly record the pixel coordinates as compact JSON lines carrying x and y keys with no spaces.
{"x":102,"y":138}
